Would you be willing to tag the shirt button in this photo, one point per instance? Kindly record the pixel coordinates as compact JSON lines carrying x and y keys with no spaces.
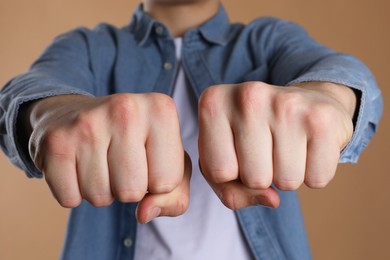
{"x":167,"y":66}
{"x":127,"y":242}
{"x":159,"y":30}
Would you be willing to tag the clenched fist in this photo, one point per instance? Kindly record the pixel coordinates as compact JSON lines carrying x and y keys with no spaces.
{"x":254,"y":134}
{"x":124,"y":146}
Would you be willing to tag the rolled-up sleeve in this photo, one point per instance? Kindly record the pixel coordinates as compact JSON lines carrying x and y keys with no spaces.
{"x":294,"y":57}
{"x":346,"y":70}
{"x":63,"y":68}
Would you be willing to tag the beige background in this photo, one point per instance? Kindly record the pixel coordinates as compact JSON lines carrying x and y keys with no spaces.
{"x":347,"y":220}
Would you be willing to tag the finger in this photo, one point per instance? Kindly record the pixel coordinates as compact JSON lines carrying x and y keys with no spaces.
{"x":253,"y":143}
{"x":128,"y":165}
{"x":235,"y":195}
{"x":173,"y":203}
{"x":93,"y":174}
{"x":289,"y":154}
{"x":217,"y":153}
{"x":322,"y":159}
{"x":164,"y":151}
{"x":61,"y":176}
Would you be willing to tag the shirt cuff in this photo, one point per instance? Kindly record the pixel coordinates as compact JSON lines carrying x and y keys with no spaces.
{"x":19,"y":154}
{"x":363,"y":128}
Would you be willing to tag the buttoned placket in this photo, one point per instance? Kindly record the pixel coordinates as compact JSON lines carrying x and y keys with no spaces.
{"x":128,"y":231}
{"x":168,"y":63}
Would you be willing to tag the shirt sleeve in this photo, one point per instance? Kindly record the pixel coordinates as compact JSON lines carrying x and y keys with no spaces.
{"x":63,"y":68}
{"x":294,"y":57}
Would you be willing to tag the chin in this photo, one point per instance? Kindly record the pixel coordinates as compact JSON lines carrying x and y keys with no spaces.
{"x":176,"y":1}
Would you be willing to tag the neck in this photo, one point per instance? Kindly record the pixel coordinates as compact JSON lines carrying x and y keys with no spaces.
{"x":181,"y":15}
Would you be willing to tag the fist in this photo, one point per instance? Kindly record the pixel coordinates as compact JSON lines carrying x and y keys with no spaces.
{"x":253,"y":135}
{"x":125,"y":147}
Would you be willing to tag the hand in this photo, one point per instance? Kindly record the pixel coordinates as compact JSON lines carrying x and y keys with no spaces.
{"x":124,"y":146}
{"x":254,"y":134}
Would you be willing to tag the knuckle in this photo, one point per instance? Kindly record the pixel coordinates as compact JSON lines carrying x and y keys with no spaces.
{"x":99,"y":200}
{"x":182,"y":205}
{"x":257,"y":183}
{"x":123,"y":109}
{"x":221,"y":175}
{"x":120,"y":100}
{"x":220,"y":171}
{"x":62,"y":192}
{"x":52,"y":138}
{"x":209,"y":102}
{"x":128,"y":195}
{"x":71,"y":202}
{"x":317,"y":183}
{"x":248,"y":100}
{"x":319,"y":119}
{"x":85,"y":126}
{"x":56,"y":143}
{"x":230,"y":199}
{"x":177,"y":207}
{"x":288,"y":105}
{"x":249,"y":90}
{"x":160,"y":188}
{"x":286,"y":185}
{"x":53,"y":142}
{"x":251,"y":95}
{"x":162,"y":102}
{"x":163,"y":107}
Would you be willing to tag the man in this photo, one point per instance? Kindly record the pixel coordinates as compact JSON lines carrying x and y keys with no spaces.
{"x":97,"y":121}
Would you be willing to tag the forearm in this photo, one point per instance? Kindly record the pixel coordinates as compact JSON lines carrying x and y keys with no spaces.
{"x":300,"y":60}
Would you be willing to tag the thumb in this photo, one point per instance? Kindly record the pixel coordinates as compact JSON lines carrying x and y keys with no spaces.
{"x":172,"y":204}
{"x":236,"y":195}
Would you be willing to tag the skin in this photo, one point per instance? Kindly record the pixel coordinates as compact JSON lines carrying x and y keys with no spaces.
{"x":181,"y":15}
{"x":128,"y":146}
{"x":254,"y":134}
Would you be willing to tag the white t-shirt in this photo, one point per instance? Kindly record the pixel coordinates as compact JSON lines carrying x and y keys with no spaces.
{"x":208,"y":230}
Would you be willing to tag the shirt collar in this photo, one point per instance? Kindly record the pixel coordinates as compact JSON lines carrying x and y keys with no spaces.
{"x":214,"y":30}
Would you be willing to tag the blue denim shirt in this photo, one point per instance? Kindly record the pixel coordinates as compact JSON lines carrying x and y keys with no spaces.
{"x":141,"y":58}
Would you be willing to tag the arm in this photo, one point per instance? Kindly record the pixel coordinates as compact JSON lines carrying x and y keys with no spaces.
{"x":255,"y":134}
{"x":120,"y":146}
{"x":296,"y":58}
{"x":124,"y":146}
{"x":62,"y":69}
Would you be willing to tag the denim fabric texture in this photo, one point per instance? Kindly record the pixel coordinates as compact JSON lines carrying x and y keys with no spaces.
{"x":134,"y":59}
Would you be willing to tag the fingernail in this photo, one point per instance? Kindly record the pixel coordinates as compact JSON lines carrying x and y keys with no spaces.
{"x":153,"y":213}
{"x":259,"y":200}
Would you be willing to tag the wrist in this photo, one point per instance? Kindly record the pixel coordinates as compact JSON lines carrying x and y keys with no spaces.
{"x":40,"y":108}
{"x":32,"y":112}
{"x":344,"y":95}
